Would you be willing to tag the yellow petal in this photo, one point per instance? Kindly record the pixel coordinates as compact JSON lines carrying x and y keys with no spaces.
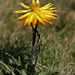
{"x":37,"y":1}
{"x":29,"y":19}
{"x":50,"y":16}
{"x":43,"y":13}
{"x":34,"y":23}
{"x":53,"y":14}
{"x":52,"y":8}
{"x":21,"y":11}
{"x":47,"y":16}
{"x":46,"y":6}
{"x":33,"y":1}
{"x":22,"y":20}
{"x":48,"y":21}
{"x":34,"y":20}
{"x":40,"y":20}
{"x":48,"y":11}
{"x":25,"y":6}
{"x":23,"y":16}
{"x":34,"y":16}
{"x":53,"y":11}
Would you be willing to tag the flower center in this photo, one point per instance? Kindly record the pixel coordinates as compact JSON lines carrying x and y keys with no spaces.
{"x":35,"y":7}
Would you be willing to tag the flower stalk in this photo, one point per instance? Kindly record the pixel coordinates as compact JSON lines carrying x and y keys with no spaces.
{"x":33,"y":44}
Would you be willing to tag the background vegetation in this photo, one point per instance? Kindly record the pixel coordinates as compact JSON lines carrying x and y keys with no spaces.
{"x":57,"y":55}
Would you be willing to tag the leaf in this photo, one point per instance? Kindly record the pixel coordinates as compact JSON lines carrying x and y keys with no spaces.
{"x":23,"y":72}
{"x":42,"y":73}
{"x":19,"y":60}
{"x":12,"y":60}
{"x":6,"y":68}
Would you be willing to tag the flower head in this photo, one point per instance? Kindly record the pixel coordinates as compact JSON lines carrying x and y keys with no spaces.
{"x":35,"y":14}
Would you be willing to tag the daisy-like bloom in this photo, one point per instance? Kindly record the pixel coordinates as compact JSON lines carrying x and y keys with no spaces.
{"x":35,"y":14}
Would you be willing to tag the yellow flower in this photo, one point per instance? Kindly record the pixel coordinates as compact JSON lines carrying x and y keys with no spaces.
{"x":36,"y":14}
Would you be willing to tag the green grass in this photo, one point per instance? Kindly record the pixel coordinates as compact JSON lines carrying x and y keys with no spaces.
{"x":57,"y":55}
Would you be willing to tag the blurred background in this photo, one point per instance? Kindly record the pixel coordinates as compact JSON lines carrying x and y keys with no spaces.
{"x":58,"y":40}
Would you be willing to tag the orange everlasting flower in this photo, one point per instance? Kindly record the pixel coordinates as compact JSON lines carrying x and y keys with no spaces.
{"x":35,"y":14}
